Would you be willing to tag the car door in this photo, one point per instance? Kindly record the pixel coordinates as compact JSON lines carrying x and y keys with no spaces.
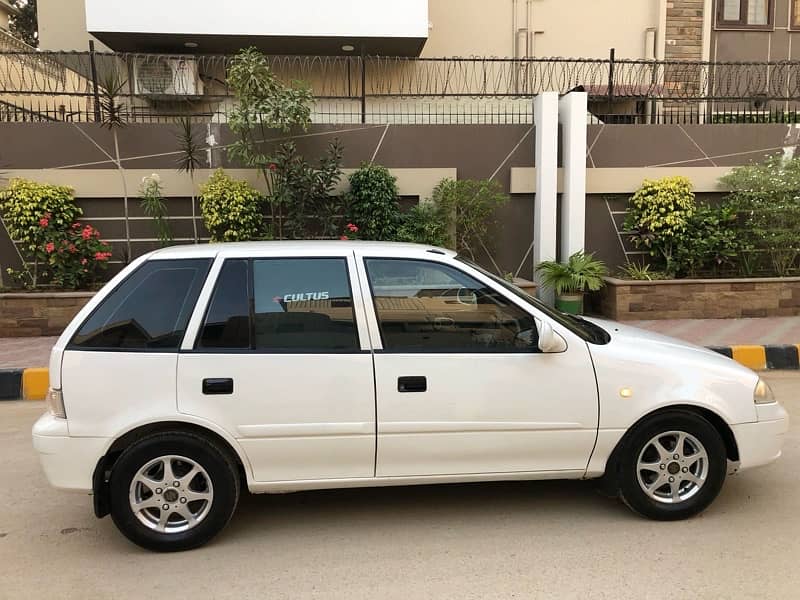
{"x":461,"y":385}
{"x":279,"y":361}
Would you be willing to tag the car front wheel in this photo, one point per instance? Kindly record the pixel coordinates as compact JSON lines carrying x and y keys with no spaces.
{"x":173,"y":491}
{"x":672,"y":466}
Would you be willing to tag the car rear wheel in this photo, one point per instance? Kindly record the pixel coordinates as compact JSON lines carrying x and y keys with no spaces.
{"x":672,"y":466}
{"x":173,"y":491}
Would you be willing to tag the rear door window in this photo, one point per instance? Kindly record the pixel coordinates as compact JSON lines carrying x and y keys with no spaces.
{"x":303,"y":304}
{"x":281,"y":305}
{"x":148,"y":311}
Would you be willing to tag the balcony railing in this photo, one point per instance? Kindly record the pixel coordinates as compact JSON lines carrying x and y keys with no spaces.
{"x":162,"y":88}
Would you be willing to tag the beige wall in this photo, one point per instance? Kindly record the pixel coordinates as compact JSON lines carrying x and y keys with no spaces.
{"x":62,"y":26}
{"x":545,"y":28}
{"x":5,"y":11}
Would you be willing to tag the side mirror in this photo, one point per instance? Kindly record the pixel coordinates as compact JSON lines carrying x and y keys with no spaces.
{"x":549,"y":341}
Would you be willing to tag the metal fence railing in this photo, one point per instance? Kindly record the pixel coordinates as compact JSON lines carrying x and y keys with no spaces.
{"x":46,"y":86}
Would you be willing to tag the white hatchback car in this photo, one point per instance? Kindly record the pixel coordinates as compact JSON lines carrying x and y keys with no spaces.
{"x":289,"y":366}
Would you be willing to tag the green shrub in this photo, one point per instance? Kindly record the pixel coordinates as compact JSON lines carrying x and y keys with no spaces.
{"x":373,"y":202}
{"x":232,"y":210}
{"x":640,"y":272}
{"x":58,"y":249}
{"x":304,"y":194}
{"x":766,"y":198}
{"x":658,"y":215}
{"x":468,"y":206}
{"x":709,"y":243}
{"x":425,"y":223}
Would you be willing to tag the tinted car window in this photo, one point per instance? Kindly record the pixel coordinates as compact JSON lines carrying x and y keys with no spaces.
{"x":148,"y":311}
{"x":227,"y":323}
{"x":430,"y":307}
{"x":303,"y":304}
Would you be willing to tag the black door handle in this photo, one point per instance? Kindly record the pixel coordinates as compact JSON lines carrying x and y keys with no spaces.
{"x":412,"y":384}
{"x":213,"y":387}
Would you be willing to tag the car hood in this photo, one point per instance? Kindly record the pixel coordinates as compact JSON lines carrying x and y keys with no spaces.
{"x":671,"y":348}
{"x":664,"y":371}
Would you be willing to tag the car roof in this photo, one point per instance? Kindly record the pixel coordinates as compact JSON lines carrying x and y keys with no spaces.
{"x":296,"y":248}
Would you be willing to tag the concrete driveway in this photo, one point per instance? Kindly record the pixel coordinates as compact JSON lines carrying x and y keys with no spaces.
{"x":505,"y":540}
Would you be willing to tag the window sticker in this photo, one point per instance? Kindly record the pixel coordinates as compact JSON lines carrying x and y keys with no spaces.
{"x":301,"y":297}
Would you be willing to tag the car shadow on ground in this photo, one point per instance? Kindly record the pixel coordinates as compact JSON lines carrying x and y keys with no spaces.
{"x":437,"y":504}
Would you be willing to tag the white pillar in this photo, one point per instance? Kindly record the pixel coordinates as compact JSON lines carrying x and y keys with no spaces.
{"x":545,"y":113}
{"x":572,"y":110}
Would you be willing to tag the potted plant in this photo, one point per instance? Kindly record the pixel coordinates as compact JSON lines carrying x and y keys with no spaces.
{"x":581,"y":273}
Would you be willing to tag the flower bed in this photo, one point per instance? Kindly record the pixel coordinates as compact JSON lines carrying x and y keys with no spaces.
{"x":35,"y":314}
{"x":623,"y":300}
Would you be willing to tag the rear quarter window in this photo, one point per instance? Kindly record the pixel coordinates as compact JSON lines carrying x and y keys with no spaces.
{"x":149,"y":310}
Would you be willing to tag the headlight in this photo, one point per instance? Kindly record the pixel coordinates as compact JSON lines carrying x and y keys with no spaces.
{"x":763,"y":394}
{"x":55,"y":403}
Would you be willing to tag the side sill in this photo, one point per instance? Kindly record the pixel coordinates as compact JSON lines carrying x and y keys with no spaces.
{"x":283,"y":487}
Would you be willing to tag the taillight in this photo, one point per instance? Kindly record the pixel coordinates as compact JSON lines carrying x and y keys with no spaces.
{"x":55,"y":403}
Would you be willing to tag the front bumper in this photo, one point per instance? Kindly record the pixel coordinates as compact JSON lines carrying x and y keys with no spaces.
{"x":761,"y":443}
{"x":68,"y":462}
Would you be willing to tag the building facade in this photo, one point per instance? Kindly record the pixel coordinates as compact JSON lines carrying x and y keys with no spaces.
{"x":6,"y":11}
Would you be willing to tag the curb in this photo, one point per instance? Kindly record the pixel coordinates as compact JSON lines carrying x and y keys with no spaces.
{"x":32,"y":384}
{"x":25,"y":384}
{"x":762,"y":358}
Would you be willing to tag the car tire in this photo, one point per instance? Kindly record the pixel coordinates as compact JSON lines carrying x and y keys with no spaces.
{"x":672,"y":466}
{"x":196,"y":481}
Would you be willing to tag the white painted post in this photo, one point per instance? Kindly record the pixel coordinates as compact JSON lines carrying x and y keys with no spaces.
{"x":572,"y":110}
{"x":545,"y":113}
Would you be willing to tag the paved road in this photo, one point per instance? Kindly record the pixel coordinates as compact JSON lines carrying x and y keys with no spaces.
{"x":520,"y":540}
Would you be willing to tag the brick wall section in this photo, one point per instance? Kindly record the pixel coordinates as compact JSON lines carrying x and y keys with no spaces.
{"x":700,"y":299}
{"x":685,"y":26}
{"x":32,"y":315}
{"x":685,"y":43}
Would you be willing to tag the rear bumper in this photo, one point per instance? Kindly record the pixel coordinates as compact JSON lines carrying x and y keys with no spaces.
{"x":761,"y":443}
{"x":68,"y":462}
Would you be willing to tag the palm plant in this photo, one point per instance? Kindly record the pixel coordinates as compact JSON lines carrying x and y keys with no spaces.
{"x":570,"y":280}
{"x":190,"y":159}
{"x":114,"y":117}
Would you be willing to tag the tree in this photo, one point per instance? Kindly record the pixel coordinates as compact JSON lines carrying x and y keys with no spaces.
{"x":25,"y":25}
{"x":263,"y":105}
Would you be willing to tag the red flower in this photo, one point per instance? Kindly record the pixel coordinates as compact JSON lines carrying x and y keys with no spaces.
{"x":101,"y":256}
{"x":50,"y":247}
{"x":87,"y":232}
{"x":344,"y":237}
{"x":44,"y":222}
{"x":352,"y":228}
{"x":273,"y":167}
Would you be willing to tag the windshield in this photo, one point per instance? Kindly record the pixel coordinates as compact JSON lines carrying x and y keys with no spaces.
{"x":578,"y":325}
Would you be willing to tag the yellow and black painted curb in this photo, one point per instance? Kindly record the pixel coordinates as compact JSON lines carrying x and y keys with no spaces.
{"x":24,"y":384}
{"x":32,"y":384}
{"x":761,"y":358}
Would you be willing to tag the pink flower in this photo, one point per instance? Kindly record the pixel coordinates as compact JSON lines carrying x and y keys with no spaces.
{"x":76,"y":225}
{"x":72,"y":248}
{"x":50,"y":247}
{"x":273,"y":167}
{"x":344,"y":237}
{"x":102,"y":256}
{"x":87,"y":232}
{"x":352,"y":228}
{"x":84,"y":261}
{"x":44,"y":222}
